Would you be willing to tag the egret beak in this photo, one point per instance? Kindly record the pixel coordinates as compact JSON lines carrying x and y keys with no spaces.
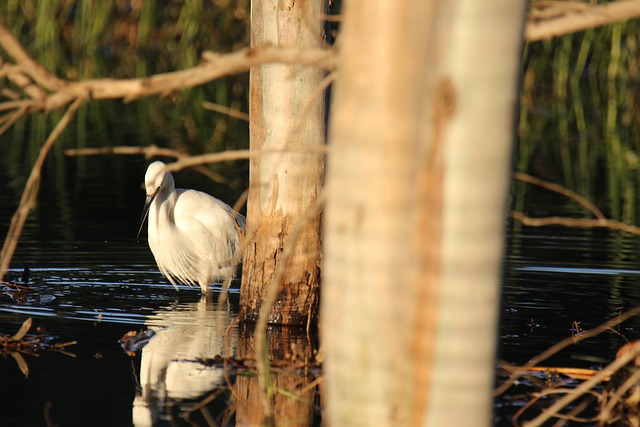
{"x":145,"y":210}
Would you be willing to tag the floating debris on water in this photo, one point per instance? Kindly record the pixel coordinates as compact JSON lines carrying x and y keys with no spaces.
{"x":23,"y":343}
{"x":22,"y":294}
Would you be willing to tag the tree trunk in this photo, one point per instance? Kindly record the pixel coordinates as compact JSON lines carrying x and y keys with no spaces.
{"x":421,"y":134}
{"x":287,"y":112}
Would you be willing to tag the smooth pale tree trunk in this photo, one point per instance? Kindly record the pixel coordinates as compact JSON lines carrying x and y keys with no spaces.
{"x":421,"y":136}
{"x":286,"y":112}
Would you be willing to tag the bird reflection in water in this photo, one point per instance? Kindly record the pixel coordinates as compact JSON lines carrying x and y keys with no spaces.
{"x":171,"y":369}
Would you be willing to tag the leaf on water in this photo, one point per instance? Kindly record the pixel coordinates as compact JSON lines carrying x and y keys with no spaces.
{"x":22,"y":331}
{"x":22,"y":364}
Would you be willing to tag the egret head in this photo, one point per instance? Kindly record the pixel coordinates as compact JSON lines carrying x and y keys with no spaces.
{"x":156,"y":179}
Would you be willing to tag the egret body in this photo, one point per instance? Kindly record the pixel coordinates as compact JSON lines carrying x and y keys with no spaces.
{"x":195,"y":238}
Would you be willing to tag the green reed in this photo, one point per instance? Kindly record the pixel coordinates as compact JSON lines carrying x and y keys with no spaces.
{"x":578,"y":124}
{"x":81,"y":39}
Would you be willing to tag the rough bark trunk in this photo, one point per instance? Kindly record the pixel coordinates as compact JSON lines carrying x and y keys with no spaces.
{"x":287,"y":112}
{"x":420,"y":140}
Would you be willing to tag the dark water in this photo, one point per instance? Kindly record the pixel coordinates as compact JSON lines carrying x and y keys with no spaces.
{"x":93,"y":282}
{"x":554,"y":279}
{"x":556,"y":276}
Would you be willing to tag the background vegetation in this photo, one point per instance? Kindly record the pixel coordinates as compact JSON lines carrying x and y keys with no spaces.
{"x":79,"y":39}
{"x":579,"y":118}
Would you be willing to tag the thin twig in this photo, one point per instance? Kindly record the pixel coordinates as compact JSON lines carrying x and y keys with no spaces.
{"x":231,"y":112}
{"x":36,"y":71}
{"x":149,"y":152}
{"x":617,"y":396}
{"x":575,"y":222}
{"x":599,"y":222}
{"x":566,"y":343}
{"x":19,"y":103}
{"x":556,"y":188}
{"x":320,"y":90}
{"x":191,"y":161}
{"x":572,"y":415}
{"x":11,"y":118}
{"x":609,"y":370}
{"x":272,"y":295}
{"x":31,"y":190}
{"x":581,"y":18}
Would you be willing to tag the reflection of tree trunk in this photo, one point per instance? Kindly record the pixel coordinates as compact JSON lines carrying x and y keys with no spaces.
{"x":292,"y":353}
{"x":286,"y":112}
{"x":418,"y":174}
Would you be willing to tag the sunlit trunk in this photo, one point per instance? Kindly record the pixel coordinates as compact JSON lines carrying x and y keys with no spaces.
{"x":421,"y":135}
{"x":287,"y":112}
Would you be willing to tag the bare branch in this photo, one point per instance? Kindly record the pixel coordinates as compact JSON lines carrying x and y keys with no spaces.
{"x":10,"y":118}
{"x":38,"y":73}
{"x":575,"y":222}
{"x":556,"y":18}
{"x":186,"y":161}
{"x":231,"y":112}
{"x":566,"y":343}
{"x":213,"y":66}
{"x":601,"y":221}
{"x":190,"y":161}
{"x":43,"y":91}
{"x":149,"y":152}
{"x":617,"y":364}
{"x":560,"y":190}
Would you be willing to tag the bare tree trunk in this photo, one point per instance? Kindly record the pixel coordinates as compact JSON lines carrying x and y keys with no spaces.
{"x":287,"y":111}
{"x":421,"y":135}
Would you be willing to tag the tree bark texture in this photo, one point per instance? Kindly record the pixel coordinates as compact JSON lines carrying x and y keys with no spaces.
{"x":421,"y":134}
{"x":286,"y":111}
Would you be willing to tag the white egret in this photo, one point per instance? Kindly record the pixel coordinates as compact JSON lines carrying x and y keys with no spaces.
{"x":195,"y":238}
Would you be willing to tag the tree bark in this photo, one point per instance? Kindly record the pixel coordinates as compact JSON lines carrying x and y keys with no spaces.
{"x":286,"y":111}
{"x":421,"y":133}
